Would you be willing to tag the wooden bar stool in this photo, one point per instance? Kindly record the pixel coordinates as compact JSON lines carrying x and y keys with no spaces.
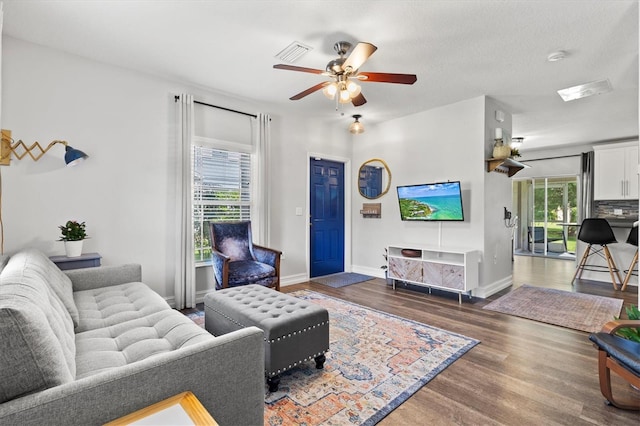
{"x":633,"y":240}
{"x":597,"y":232}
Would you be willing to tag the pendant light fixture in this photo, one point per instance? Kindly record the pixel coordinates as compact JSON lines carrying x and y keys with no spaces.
{"x":356,"y":127}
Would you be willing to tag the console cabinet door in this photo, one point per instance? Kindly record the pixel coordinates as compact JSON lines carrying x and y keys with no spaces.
{"x":453,"y":276}
{"x":405,"y":269}
{"x":432,"y":273}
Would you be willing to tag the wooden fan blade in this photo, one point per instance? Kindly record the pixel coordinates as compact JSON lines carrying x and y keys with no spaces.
{"x":359,"y":100}
{"x":359,"y":55}
{"x":310,"y":90}
{"x":294,"y":68}
{"x":384,"y":77}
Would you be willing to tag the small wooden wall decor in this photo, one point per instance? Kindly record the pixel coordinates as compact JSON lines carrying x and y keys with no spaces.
{"x":371,"y":210}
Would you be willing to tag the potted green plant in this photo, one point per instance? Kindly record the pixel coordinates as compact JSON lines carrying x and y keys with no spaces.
{"x":631,"y":333}
{"x":73,"y":235}
{"x":385,"y":268}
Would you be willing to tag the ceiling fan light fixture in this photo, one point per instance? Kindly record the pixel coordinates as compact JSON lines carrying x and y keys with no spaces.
{"x":353,"y":88}
{"x":330,"y":91}
{"x":356,"y":127}
{"x":516,"y":142}
{"x":345,"y":96}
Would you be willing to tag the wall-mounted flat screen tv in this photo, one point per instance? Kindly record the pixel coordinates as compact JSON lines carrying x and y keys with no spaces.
{"x":440,"y":201}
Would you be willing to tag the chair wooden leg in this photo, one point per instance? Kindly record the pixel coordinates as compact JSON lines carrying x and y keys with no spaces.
{"x":605,"y":365}
{"x":578,"y":272}
{"x":612,"y":267}
{"x":604,"y":374}
{"x":634,"y":262}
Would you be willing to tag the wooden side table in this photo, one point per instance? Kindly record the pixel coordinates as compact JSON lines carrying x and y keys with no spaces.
{"x":181,"y":409}
{"x":86,"y":260}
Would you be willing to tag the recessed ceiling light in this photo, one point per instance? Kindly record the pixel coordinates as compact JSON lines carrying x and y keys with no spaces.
{"x":293,"y":52}
{"x":585,"y":90}
{"x":557,"y":56}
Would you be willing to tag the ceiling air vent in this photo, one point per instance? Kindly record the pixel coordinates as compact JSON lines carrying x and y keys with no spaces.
{"x":293,"y":52}
{"x":585,"y":90}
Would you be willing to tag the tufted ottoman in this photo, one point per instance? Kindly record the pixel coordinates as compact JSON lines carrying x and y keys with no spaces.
{"x":294,"y":330}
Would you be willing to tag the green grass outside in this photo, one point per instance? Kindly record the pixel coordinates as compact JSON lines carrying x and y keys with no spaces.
{"x":554,"y":232}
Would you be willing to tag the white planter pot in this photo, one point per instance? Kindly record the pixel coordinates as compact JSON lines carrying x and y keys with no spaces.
{"x":73,"y":248}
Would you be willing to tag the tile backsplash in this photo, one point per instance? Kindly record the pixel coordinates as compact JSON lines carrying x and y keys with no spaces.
{"x":607,"y":209}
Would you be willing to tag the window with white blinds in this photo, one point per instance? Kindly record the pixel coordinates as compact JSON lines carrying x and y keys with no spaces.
{"x":221,"y":191}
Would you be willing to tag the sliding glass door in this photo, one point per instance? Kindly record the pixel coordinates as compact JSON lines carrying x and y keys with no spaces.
{"x":547,"y":211}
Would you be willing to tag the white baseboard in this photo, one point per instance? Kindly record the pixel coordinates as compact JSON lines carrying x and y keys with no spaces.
{"x":293,"y":279}
{"x":487,"y":290}
{"x":366,"y":270}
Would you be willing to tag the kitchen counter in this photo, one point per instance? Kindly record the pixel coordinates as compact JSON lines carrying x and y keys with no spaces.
{"x":616,"y":222}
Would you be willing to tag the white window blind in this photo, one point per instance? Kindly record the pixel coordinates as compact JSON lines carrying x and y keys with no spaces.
{"x":221,"y":192}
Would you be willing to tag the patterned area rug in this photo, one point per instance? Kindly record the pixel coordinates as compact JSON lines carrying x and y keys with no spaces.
{"x":584,"y":312}
{"x":376,"y":362}
{"x":342,"y":279}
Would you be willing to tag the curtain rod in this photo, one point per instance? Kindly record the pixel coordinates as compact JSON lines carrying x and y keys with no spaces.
{"x":553,"y":158}
{"x":219,"y":107}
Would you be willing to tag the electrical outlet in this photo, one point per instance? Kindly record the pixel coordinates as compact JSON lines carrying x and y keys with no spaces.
{"x":617,"y":212}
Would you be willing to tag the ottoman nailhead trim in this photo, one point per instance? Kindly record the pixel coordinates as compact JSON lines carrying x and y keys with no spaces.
{"x":277,"y":339}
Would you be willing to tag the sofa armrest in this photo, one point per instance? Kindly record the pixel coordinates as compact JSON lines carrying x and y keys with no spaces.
{"x":225,"y":373}
{"x":104,"y":276}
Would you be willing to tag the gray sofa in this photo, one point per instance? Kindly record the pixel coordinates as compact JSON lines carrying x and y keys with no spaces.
{"x":90,"y":345}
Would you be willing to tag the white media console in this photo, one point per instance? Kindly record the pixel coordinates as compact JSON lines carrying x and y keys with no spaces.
{"x":444,"y":268}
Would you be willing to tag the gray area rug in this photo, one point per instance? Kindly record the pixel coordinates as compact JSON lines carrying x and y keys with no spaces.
{"x":584,"y":312}
{"x":342,"y":279}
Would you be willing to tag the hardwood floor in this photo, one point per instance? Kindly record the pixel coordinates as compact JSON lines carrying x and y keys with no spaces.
{"x":522,"y":373}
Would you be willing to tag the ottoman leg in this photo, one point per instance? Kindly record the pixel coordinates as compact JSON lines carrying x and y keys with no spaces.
{"x":320,"y":359}
{"x":273,"y":383}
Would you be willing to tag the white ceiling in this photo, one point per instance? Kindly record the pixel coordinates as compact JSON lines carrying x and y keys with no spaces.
{"x":458,"y":50}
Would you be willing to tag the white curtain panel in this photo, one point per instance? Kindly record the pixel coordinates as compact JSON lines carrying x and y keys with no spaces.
{"x":262,"y":143}
{"x":185,"y":286}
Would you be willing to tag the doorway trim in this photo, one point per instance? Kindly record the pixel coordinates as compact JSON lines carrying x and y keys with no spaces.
{"x":347,"y":208}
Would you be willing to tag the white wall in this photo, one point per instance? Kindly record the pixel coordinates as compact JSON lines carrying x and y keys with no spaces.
{"x":496,"y":268}
{"x":124,"y":121}
{"x":447,"y":143}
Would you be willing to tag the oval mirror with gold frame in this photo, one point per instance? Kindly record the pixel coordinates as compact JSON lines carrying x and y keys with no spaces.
{"x":374,"y":179}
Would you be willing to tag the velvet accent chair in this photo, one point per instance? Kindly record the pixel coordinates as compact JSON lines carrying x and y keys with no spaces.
{"x":237,"y":261}
{"x":621,"y":356}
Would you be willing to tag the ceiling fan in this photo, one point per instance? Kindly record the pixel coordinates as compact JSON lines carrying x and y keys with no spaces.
{"x":344,"y":74}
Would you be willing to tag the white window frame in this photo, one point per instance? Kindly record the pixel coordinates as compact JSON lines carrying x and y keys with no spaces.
{"x":225,"y":146}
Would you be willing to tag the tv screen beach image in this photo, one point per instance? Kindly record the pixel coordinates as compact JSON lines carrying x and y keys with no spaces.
{"x":432,"y":201}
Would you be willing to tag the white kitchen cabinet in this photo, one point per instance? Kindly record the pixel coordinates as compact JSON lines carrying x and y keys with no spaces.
{"x":616,"y":171}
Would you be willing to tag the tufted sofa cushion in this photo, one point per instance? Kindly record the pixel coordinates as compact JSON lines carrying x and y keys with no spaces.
{"x":123,"y":343}
{"x":107,"y":306}
{"x":48,"y":272}
{"x":36,"y":329}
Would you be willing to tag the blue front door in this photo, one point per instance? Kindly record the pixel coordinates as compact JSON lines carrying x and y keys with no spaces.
{"x":327,"y":217}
